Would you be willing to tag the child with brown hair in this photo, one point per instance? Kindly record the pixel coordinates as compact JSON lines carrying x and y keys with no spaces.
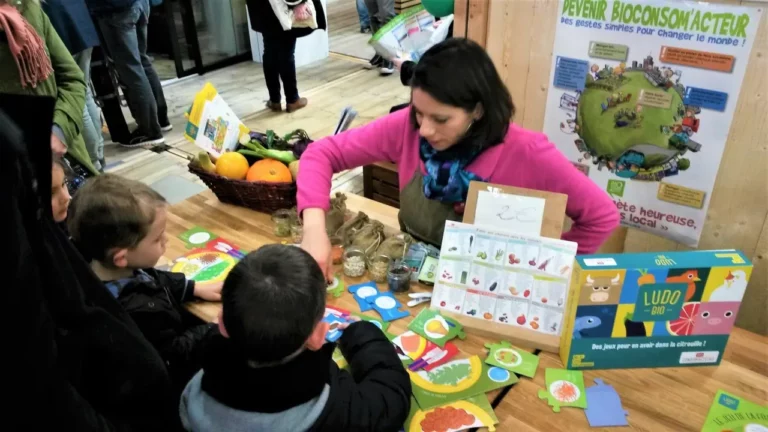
{"x":119,"y":225}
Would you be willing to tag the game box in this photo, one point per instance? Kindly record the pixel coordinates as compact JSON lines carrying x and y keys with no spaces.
{"x":669,"y":309}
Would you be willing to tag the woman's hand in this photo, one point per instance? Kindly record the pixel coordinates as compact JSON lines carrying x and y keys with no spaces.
{"x":210,"y":291}
{"x":398,"y":62}
{"x":315,"y":240}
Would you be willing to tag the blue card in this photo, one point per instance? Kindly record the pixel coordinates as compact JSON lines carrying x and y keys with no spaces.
{"x":333,"y":331}
{"x":361,"y":292}
{"x":387,"y":306}
{"x":604,"y":406}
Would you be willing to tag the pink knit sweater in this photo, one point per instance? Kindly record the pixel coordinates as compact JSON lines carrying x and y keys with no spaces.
{"x":526,"y":159}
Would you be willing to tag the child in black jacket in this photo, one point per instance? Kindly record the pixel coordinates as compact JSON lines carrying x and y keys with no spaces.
{"x":119,"y":224}
{"x":270,"y":369}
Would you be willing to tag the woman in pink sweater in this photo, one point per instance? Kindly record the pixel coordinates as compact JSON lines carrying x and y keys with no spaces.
{"x":457,"y":130}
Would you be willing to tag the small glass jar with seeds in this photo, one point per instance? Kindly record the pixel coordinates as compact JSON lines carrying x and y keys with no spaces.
{"x":378,"y":266}
{"x":282,"y":220}
{"x":354,"y":262}
{"x":399,"y":277}
{"x":297,"y":231}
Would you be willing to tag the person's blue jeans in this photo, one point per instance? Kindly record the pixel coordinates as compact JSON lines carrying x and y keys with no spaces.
{"x":280,"y":64}
{"x":125,"y":36}
{"x":362,"y":14}
{"x":94,"y":140}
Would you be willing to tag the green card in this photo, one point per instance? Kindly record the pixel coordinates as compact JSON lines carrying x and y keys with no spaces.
{"x":336,"y":287}
{"x":565,"y":388}
{"x":436,"y":328}
{"x":473,"y":412}
{"x":457,"y":380}
{"x":383,"y":325}
{"x":338,"y":357}
{"x":504,"y":355}
{"x":197,"y":237}
{"x":732,"y":413}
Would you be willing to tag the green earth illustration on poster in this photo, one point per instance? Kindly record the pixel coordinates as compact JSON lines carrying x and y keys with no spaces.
{"x":632,"y":121}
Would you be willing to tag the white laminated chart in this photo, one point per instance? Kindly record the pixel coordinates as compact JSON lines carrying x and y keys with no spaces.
{"x":508,"y":278}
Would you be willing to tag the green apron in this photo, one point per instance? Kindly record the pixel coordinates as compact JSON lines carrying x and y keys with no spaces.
{"x":421,"y":217}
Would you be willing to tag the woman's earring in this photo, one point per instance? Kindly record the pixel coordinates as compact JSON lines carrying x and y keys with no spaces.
{"x":469,"y":127}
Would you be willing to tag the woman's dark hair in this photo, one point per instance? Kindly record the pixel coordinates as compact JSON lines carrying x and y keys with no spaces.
{"x":458,"y":72}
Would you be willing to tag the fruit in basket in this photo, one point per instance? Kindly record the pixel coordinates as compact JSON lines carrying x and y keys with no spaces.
{"x":294,"y":167}
{"x":232,"y":165}
{"x":269,"y":171}
{"x":204,"y":162}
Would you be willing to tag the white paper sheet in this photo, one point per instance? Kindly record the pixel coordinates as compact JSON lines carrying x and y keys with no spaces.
{"x":512,"y":213}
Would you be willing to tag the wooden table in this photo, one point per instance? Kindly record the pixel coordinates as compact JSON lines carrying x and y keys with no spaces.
{"x":673,"y":399}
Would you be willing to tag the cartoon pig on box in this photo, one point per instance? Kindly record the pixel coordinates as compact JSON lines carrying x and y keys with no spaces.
{"x":715,"y":318}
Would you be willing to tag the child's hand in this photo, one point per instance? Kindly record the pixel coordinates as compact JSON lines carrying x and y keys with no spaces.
{"x":350,"y":320}
{"x":210,"y":291}
{"x":301,"y":12}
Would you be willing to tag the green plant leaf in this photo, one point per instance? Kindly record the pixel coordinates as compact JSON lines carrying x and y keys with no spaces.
{"x":450,"y":375}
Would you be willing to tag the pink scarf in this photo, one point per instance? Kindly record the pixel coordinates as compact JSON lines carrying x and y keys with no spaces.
{"x":27,"y":47}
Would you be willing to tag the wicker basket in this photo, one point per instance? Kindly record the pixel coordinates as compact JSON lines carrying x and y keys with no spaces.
{"x":260,"y":196}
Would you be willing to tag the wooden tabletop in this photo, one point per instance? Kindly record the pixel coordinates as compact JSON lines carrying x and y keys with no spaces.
{"x":671,"y":399}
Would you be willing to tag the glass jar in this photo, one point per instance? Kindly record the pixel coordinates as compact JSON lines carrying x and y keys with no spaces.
{"x":337,"y":250}
{"x":282,"y":220}
{"x":297,"y":231}
{"x":354,"y":262}
{"x":399,"y":277}
{"x":378,"y":267}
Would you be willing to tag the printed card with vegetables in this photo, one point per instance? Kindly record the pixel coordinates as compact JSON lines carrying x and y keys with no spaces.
{"x":565,"y":388}
{"x":472,"y":412}
{"x":513,"y":359}
{"x":436,"y":328}
{"x":457,"y":380}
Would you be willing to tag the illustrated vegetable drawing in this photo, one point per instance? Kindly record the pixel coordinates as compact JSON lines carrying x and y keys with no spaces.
{"x":270,"y":171}
{"x":451,"y":374}
{"x":645,"y":278}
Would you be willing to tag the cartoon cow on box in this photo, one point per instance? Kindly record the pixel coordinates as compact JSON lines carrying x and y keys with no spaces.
{"x":601,"y":290}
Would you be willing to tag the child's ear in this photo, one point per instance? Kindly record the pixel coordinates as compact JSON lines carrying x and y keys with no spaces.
{"x":317,"y":338}
{"x":220,"y":322}
{"x":120,"y":258}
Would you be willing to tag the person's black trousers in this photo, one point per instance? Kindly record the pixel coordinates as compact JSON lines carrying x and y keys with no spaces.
{"x":279,"y":64}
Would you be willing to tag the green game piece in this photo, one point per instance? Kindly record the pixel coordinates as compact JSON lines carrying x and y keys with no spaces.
{"x":336,"y":288}
{"x":338,"y":357}
{"x":504,"y":355}
{"x":476,"y":406}
{"x":730,"y":412}
{"x":457,"y":380}
{"x":383,"y":325}
{"x":197,"y":237}
{"x":564,"y":389}
{"x":436,"y":328}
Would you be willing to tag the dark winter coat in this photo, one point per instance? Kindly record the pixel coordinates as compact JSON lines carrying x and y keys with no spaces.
{"x":309,"y":392}
{"x":73,"y":23}
{"x":264,"y":21}
{"x":154,"y":299}
{"x":75,"y":360}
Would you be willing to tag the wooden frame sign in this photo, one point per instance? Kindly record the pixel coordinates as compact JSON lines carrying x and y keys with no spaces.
{"x":515,"y":208}
{"x":507,"y":275}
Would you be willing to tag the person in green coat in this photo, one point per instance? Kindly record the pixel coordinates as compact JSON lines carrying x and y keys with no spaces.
{"x":34,"y":61}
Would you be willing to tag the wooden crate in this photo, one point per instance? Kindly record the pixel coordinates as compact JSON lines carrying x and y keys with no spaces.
{"x":401,"y":5}
{"x":380,"y":183}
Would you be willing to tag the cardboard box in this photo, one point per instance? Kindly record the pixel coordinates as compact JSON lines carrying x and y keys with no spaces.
{"x":669,"y":309}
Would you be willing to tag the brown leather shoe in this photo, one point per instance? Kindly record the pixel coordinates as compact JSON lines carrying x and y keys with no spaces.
{"x":276,"y":107}
{"x":299,"y":104}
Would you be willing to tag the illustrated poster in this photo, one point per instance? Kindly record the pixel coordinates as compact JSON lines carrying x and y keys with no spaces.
{"x":499,"y":276}
{"x":641,"y":100}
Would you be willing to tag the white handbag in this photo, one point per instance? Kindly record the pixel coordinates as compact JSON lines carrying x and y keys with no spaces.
{"x":285,"y":15}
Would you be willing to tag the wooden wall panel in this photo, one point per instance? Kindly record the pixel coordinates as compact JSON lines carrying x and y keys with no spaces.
{"x":520,"y":36}
{"x":471,"y":19}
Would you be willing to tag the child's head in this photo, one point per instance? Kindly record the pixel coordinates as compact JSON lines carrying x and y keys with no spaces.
{"x":59,"y":192}
{"x":118,"y":222}
{"x":273,"y":304}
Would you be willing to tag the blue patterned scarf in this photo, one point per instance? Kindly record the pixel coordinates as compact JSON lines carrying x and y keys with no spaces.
{"x":446,"y":179}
